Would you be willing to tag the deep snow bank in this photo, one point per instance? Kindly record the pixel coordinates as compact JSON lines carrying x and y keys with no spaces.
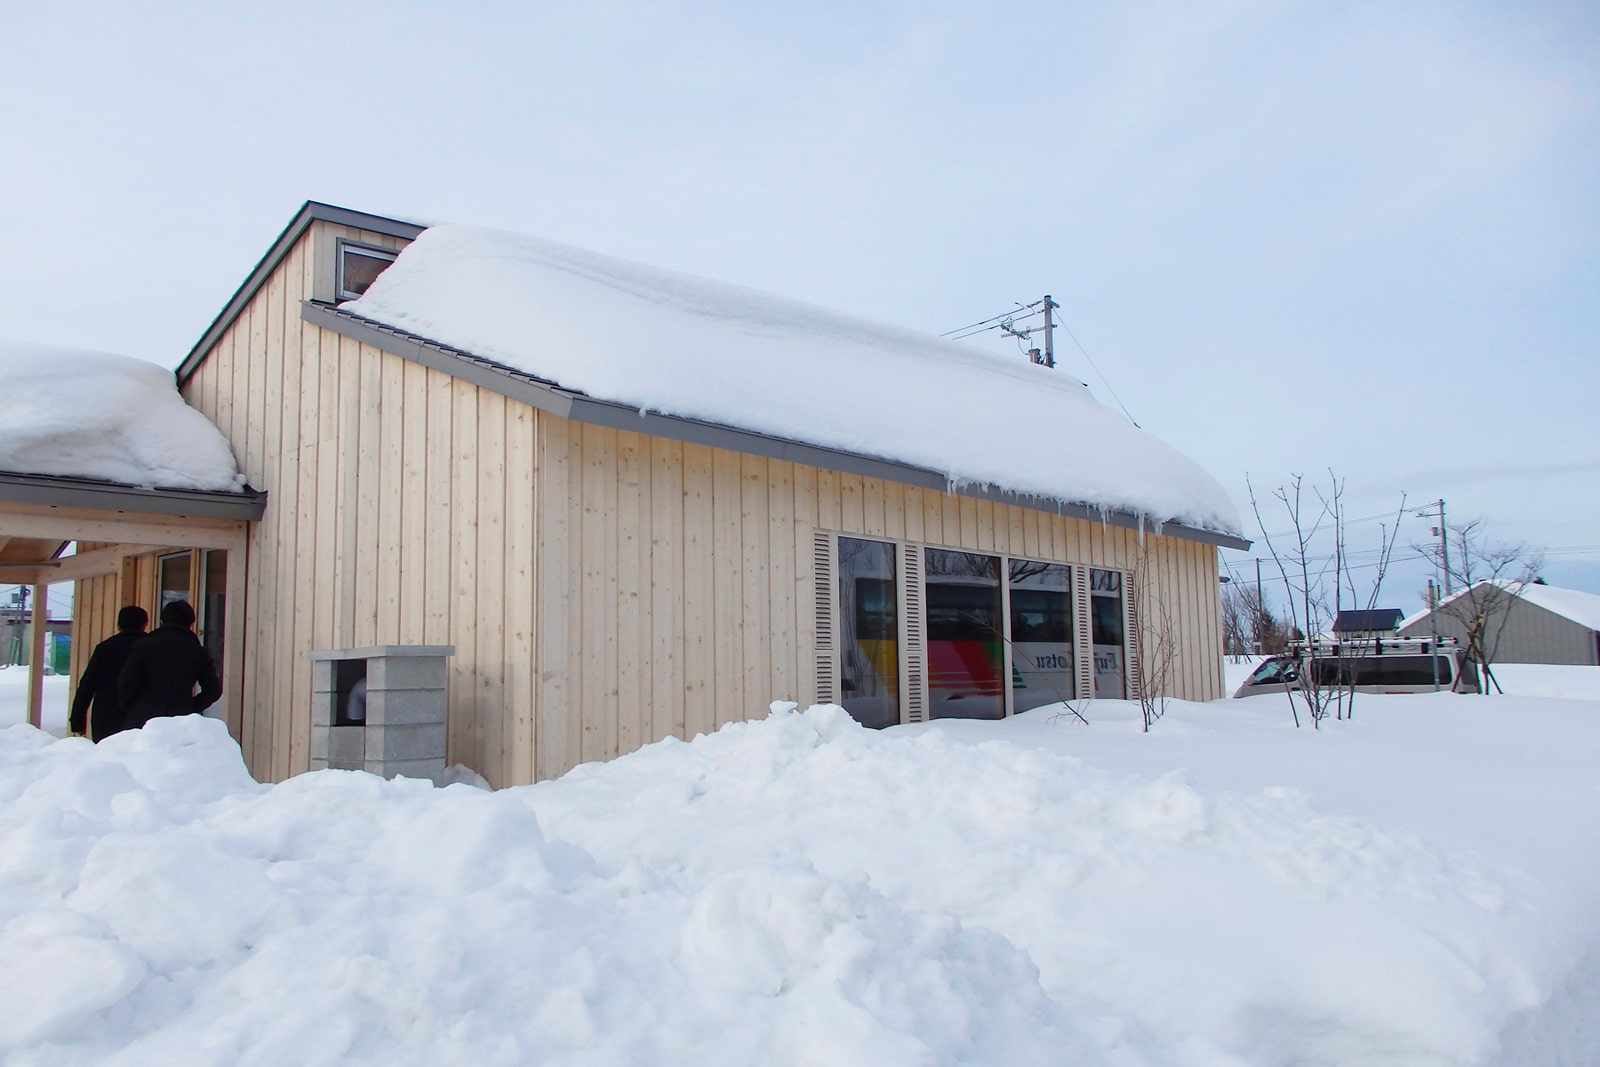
{"x":156,"y":906}
{"x":799,"y":890}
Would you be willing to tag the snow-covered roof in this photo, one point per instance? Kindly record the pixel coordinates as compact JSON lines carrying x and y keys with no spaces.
{"x":79,"y":414}
{"x":1582,"y":608}
{"x":677,"y":345}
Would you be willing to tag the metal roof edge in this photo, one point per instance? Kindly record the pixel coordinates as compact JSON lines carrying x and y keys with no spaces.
{"x":485,"y":373}
{"x":550,"y":397}
{"x":311,"y":211}
{"x":54,"y":490}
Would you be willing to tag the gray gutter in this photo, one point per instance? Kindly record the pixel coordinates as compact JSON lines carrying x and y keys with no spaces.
{"x":568,"y":404}
{"x":116,"y":496}
{"x":310,"y":212}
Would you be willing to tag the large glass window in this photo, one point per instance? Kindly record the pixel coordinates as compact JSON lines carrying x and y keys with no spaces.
{"x":172,"y":573}
{"x":965,"y":654}
{"x":1041,"y":634}
{"x":1105,"y":617}
{"x":869,"y":638}
{"x":213,"y":600}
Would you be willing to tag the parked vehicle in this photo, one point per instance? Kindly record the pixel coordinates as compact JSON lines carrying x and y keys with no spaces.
{"x":1388,"y":665}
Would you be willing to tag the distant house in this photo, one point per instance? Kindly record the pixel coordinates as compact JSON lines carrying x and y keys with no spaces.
{"x":642,"y":505}
{"x":1542,"y":624}
{"x":1374,"y":622}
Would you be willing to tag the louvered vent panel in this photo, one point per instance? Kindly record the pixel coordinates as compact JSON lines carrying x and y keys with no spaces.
{"x":914,"y":676}
{"x":1130,"y":628}
{"x":822,"y":575}
{"x":1083,"y":634}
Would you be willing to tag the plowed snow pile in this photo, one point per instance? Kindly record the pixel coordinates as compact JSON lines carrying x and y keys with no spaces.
{"x":1420,"y":886}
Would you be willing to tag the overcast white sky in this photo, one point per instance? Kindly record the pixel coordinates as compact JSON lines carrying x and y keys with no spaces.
{"x":1290,"y":236}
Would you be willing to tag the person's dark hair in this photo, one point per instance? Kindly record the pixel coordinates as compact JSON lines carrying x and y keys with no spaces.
{"x":177,"y":613}
{"x":132,"y":617}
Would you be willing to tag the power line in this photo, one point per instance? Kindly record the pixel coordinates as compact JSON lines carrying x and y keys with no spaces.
{"x":1007,"y":319}
{"x":1101,"y":376}
{"x":980,"y":322}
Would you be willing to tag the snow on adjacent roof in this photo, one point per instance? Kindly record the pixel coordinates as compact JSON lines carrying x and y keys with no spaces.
{"x":674,"y":344}
{"x":80,"y":414}
{"x":1582,"y":608}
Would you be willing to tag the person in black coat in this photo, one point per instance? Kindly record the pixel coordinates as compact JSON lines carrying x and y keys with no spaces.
{"x":98,"y":686}
{"x":164,"y":668}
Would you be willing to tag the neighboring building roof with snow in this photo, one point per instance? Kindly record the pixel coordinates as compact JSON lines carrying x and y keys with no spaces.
{"x":667,"y":343}
{"x":1373,"y":620}
{"x":1580,"y":607}
{"x":74,"y":414}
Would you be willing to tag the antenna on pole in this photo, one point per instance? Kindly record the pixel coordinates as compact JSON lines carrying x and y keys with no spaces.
{"x":1045,"y":306}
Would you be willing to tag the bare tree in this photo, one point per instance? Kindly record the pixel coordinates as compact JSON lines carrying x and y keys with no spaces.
{"x":1316,"y":585}
{"x":1249,"y":625}
{"x":1155,"y":634}
{"x":1492,"y":576}
{"x":1237,"y":619}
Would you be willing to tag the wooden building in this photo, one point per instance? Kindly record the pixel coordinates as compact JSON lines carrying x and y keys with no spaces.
{"x":610,"y":576}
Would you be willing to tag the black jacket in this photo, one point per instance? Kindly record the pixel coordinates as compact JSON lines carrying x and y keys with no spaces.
{"x":160,"y":676}
{"x":99,"y":686}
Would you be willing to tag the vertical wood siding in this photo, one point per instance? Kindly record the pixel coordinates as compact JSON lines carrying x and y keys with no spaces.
{"x":715,"y":620}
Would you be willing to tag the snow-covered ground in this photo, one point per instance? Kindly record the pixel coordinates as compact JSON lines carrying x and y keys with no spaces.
{"x":1418,"y":886}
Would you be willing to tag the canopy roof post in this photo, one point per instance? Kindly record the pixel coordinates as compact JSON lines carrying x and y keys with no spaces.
{"x":41,"y":609}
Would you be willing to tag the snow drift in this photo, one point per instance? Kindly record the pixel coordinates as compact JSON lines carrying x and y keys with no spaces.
{"x":799,"y":890}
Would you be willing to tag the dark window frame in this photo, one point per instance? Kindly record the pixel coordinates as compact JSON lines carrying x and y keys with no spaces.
{"x":347,"y":247}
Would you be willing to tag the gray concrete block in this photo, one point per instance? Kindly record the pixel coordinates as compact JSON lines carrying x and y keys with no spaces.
{"x":346,"y":765}
{"x":347,"y":744}
{"x":323,"y":676}
{"x":324,"y":708}
{"x":391,"y":743}
{"x":407,"y":672}
{"x":319,"y":743}
{"x":405,"y":707}
{"x":431,"y":769}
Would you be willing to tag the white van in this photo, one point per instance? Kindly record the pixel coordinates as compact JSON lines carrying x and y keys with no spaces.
{"x":1394,"y":665}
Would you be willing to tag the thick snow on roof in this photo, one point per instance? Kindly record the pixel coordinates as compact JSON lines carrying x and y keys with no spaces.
{"x":679,"y":345}
{"x":1582,"y":608}
{"x":97,"y":415}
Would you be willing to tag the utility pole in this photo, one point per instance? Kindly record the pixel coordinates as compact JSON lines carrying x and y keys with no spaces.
{"x":1261,"y":611}
{"x":1444,"y":547}
{"x":1048,"y":357}
{"x":1433,"y":627}
{"x":1049,"y":331}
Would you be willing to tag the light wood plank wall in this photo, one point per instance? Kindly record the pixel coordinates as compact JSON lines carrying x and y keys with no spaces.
{"x":603,"y":589}
{"x":714,"y":621}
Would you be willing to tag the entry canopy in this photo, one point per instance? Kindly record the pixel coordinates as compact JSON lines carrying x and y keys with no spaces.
{"x":102,"y":449}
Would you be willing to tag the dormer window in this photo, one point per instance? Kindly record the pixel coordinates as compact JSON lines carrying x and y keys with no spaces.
{"x":359,"y":267}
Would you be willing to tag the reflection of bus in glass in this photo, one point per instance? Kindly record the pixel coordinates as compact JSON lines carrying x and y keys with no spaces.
{"x":1042,"y":669}
{"x":965,"y":656}
{"x":870,"y":672}
{"x":965,"y":632}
